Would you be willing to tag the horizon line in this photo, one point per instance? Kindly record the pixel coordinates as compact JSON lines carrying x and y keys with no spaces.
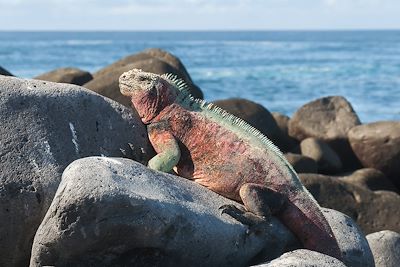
{"x":203,"y":30}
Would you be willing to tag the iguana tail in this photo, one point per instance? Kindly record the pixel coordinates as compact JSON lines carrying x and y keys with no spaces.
{"x":304,"y":217}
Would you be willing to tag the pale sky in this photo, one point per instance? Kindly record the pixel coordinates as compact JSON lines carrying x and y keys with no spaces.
{"x":198,"y":14}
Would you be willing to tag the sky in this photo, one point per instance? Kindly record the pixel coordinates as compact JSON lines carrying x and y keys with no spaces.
{"x":199,"y":14}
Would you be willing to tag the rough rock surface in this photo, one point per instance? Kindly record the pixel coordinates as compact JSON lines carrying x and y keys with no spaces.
{"x":385,"y":246}
{"x":304,"y":258}
{"x":114,"y":211}
{"x":372,"y":210}
{"x":44,"y":127}
{"x":371,"y":179}
{"x":257,"y":116}
{"x":154,"y":60}
{"x":327,"y":159}
{"x":377,"y":145}
{"x":66,"y":75}
{"x":4,"y":72}
{"x":328,"y":119}
{"x":302,"y":164}
{"x":352,"y":242}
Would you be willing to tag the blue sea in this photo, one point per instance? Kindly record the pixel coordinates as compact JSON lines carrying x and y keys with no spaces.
{"x":281,"y":70}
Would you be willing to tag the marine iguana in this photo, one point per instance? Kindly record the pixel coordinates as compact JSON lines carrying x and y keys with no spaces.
{"x":204,"y":143}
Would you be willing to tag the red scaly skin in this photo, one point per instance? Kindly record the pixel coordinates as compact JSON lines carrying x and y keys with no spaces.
{"x":222,"y":157}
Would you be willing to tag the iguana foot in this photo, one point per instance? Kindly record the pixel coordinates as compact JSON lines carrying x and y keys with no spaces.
{"x":241,"y":215}
{"x":231,"y":209}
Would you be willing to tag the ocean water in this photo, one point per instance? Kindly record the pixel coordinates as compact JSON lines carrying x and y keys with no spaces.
{"x":281,"y":70}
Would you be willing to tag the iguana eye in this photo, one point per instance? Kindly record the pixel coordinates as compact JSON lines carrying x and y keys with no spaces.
{"x":141,"y":78}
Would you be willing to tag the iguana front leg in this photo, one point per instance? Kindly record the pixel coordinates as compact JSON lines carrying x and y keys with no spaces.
{"x":165,"y":145}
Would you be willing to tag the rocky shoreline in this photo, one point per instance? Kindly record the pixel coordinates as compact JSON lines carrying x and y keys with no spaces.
{"x":74,"y":191}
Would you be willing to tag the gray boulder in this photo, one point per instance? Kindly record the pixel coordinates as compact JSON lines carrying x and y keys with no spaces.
{"x":385,"y":246}
{"x":283,"y":123}
{"x":304,"y":258}
{"x":302,"y":164}
{"x":352,"y":242}
{"x":377,"y":145}
{"x":4,"y":72}
{"x":44,"y":127}
{"x":371,"y":179}
{"x":114,"y":211}
{"x":105,"y":81}
{"x":163,"y":55}
{"x":327,"y":159}
{"x":372,"y":210}
{"x":66,"y":75}
{"x":328,"y":119}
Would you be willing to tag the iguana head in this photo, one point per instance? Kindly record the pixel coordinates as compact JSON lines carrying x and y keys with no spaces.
{"x":150,"y":93}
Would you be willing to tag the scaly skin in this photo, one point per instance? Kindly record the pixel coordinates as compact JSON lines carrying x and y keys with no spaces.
{"x":223,"y":153}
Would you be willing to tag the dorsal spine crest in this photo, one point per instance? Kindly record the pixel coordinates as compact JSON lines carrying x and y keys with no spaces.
{"x":186,"y":99}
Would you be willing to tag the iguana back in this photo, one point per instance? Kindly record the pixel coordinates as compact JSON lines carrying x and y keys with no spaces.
{"x":222,"y":152}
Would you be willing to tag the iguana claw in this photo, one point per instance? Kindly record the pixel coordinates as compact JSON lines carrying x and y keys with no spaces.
{"x":241,"y":215}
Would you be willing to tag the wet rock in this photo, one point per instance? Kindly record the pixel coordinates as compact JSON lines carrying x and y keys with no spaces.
{"x":304,"y":258}
{"x":352,"y":242}
{"x":4,"y":72}
{"x":385,"y":246}
{"x":44,"y":127}
{"x":256,"y":115}
{"x":371,"y":210}
{"x":328,"y":119}
{"x":66,"y":75}
{"x":371,"y":179}
{"x":153,"y":60}
{"x":302,"y":164}
{"x":114,"y":211}
{"x":377,"y":145}
{"x":327,"y":159}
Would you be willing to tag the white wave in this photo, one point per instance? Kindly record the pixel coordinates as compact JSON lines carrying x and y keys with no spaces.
{"x":71,"y":42}
{"x":88,"y":42}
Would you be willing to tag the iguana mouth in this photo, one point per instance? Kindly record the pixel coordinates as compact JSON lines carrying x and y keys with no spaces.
{"x":128,"y":89}
{"x":124,"y":88}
